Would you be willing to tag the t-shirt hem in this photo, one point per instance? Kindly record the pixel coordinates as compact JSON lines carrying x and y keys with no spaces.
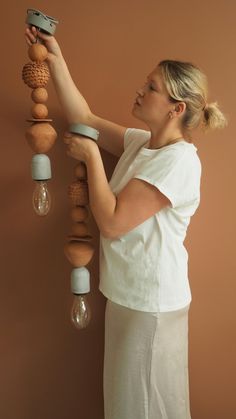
{"x":145,"y":308}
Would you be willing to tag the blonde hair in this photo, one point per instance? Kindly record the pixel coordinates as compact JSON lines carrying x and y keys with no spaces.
{"x":187,"y":83}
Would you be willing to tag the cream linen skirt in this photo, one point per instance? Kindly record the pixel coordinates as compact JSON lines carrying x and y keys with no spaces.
{"x":146,"y":364}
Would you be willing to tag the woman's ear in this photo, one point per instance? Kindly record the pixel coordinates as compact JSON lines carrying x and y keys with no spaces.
{"x":179,"y":108}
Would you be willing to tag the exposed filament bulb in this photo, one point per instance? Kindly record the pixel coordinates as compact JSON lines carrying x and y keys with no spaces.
{"x":80,"y":286}
{"x":41,"y":198}
{"x":41,"y":172}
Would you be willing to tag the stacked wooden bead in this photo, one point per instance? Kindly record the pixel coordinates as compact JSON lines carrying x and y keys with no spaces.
{"x":41,"y":136}
{"x":79,"y":250}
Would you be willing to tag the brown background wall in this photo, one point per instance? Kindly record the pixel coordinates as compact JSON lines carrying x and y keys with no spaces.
{"x":48,"y":369}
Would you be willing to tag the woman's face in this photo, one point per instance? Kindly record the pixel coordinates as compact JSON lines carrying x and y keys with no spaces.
{"x":152,"y":104}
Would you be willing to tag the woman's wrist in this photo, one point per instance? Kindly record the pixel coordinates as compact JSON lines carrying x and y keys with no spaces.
{"x":55,"y":62}
{"x":93,"y":154}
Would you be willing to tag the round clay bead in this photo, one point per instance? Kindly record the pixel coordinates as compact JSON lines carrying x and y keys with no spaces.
{"x":78,"y":193}
{"x":35,"y":74}
{"x":39,"y":95}
{"x":79,"y":214}
{"x":81,"y":171}
{"x":79,"y":230}
{"x":39,"y":110}
{"x":78,"y":253}
{"x":41,"y":136}
{"x":37,"y":52}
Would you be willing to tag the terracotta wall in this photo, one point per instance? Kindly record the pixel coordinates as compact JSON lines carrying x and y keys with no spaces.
{"x":48,"y":369}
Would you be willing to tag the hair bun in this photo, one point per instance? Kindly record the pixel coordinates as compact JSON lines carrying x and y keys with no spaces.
{"x":213,"y":117}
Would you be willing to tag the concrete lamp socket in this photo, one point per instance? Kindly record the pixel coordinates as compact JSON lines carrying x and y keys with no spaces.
{"x":44,"y":23}
{"x":41,"y":167}
{"x":84,"y":130}
{"x":80,"y":281}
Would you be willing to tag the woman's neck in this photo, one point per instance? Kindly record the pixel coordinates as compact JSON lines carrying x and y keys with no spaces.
{"x":165,"y":137}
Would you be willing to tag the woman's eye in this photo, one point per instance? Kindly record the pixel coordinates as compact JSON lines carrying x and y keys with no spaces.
{"x":151,"y":87}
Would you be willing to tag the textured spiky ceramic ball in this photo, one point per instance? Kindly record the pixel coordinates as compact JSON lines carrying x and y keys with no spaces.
{"x":41,"y":136}
{"x":78,"y":193}
{"x":35,"y":74}
{"x":39,"y":95}
{"x":78,"y":253}
{"x":37,"y":52}
{"x":39,"y":110}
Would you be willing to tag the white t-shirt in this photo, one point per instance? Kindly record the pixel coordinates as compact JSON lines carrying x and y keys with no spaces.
{"x":147,"y":268}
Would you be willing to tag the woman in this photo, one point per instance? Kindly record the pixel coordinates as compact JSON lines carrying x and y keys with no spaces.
{"x":143,"y":215}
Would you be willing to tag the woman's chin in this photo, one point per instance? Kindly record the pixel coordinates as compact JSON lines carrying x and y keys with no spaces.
{"x":135,"y":109}
{"x":136,"y":112}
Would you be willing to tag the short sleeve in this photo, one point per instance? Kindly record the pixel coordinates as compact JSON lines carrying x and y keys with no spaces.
{"x":174,"y":170}
{"x":137,"y":136}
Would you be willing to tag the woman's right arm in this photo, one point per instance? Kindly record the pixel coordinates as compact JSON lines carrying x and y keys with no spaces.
{"x":74,"y":105}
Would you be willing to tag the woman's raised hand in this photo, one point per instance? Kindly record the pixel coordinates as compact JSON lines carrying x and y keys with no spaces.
{"x":54,"y":51}
{"x":79,"y":147}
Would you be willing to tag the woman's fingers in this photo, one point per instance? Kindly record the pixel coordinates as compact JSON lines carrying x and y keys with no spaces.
{"x":31,"y":36}
{"x":67,"y":138}
{"x":27,"y":40}
{"x":43,"y":36}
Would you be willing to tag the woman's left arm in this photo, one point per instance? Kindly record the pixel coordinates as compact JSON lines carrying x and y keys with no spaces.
{"x":114,"y":215}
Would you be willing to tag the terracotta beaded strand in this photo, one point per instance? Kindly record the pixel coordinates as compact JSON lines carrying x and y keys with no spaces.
{"x":40,"y":135}
{"x":79,"y":250}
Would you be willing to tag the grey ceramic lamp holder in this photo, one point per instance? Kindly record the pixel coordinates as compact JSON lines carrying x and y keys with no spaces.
{"x":84,"y":130}
{"x":42,"y":22}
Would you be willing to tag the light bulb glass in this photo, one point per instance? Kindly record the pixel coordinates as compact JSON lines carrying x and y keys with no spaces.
{"x":80,"y":312}
{"x":41,"y":198}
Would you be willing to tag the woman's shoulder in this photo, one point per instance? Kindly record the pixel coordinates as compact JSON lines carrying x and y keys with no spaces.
{"x":136,"y":137}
